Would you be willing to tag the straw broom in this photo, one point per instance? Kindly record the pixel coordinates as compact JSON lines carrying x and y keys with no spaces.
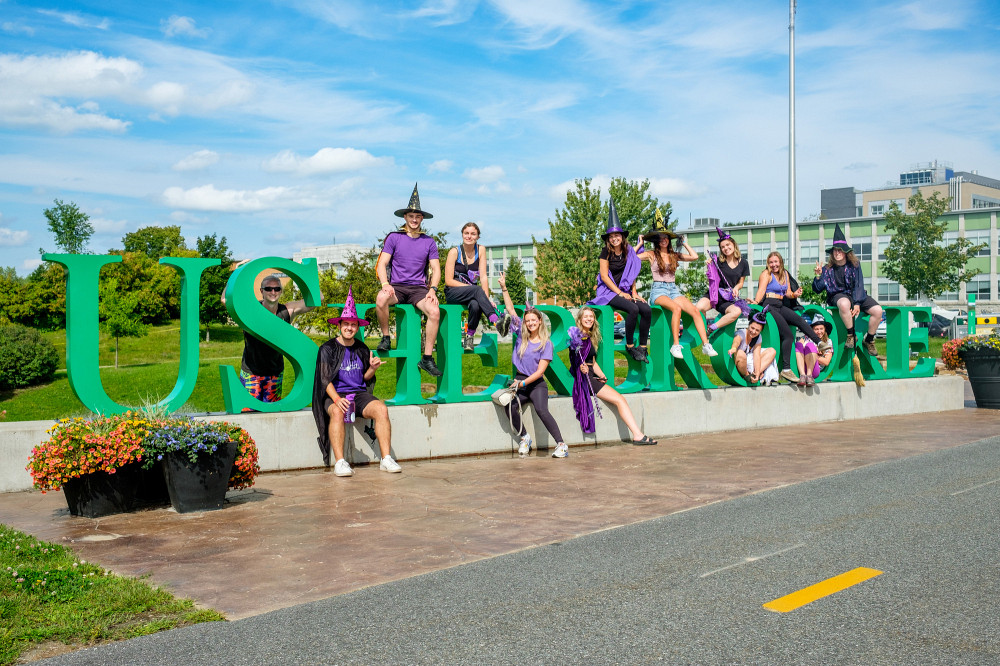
{"x":859,"y":378}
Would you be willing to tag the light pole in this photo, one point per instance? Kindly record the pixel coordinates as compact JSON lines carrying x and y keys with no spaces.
{"x":791,"y":137}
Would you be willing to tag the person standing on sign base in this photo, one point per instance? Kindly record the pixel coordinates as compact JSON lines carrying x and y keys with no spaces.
{"x":402,"y":269}
{"x":345,"y":377}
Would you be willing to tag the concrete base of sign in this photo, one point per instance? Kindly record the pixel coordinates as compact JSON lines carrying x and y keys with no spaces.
{"x":288,"y":440}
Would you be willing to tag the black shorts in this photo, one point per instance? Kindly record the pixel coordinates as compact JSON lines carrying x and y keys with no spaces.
{"x":596,"y":383}
{"x":866,"y":306}
{"x":361,"y":400}
{"x":410,"y":294}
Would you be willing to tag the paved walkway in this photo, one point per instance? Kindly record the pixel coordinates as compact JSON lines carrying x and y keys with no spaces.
{"x":309,"y":535}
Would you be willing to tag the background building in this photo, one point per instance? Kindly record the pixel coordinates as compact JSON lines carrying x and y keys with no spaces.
{"x":330,"y":256}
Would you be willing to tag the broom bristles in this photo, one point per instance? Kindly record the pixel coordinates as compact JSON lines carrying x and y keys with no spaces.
{"x":859,"y":378}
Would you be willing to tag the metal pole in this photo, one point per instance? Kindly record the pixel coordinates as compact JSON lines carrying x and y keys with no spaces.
{"x":793,"y":267}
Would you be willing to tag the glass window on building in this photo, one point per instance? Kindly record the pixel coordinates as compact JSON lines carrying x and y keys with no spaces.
{"x":862,"y":249}
{"x":948,"y":296}
{"x":877,"y":208}
{"x":977,"y":237}
{"x":528,"y":264}
{"x":883,"y":244}
{"x":808,"y":252}
{"x":868,"y":285}
{"x":888,"y":291}
{"x":980,"y":286}
{"x":782,"y":248}
{"x":948,"y":238}
{"x":760,"y":255}
{"x":496,"y":266}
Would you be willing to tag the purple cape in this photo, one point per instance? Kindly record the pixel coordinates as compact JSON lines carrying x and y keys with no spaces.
{"x":631,"y":272}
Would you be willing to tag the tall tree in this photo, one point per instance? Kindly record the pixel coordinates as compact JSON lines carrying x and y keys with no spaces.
{"x":119,"y":314}
{"x":566,"y":264}
{"x":70,"y":226}
{"x":517,"y":282}
{"x":917,"y":257}
{"x":155,"y":242}
{"x":213,"y":280}
{"x":692,"y":279}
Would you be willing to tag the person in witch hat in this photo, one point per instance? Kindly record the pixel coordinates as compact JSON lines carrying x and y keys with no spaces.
{"x":345,"y":377}
{"x":754,"y":362}
{"x":402,"y":269}
{"x":844,"y":283}
{"x":810,"y":358}
{"x":774,"y":286}
{"x":733,"y":270}
{"x":464,"y":270}
{"x":663,"y":260}
{"x":616,"y":285}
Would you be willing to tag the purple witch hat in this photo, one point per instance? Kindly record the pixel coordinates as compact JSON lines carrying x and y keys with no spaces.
{"x":722,"y":235}
{"x":350,"y":311}
{"x":760,"y":317}
{"x":614,"y":226}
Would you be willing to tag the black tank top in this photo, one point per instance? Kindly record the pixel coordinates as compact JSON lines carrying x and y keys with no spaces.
{"x":261,"y":359}
{"x":467,"y":273}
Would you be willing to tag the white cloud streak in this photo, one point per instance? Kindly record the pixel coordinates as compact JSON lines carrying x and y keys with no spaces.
{"x":12,"y":237}
{"x":197,"y":161}
{"x":183,"y":26}
{"x":77,"y":20}
{"x":324,"y":161}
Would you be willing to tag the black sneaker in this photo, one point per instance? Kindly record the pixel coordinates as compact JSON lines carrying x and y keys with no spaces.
{"x":635,"y":352}
{"x":429,"y":366}
{"x":468,"y":342}
{"x":503,"y":325}
{"x":384,"y":344}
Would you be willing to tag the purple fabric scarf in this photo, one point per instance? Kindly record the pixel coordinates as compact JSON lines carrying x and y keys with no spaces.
{"x":583,"y":392}
{"x":632,"y":267}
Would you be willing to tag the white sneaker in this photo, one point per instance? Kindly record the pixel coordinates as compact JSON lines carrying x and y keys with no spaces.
{"x":562,"y":451}
{"x":677,"y":351}
{"x":389,"y":465}
{"x":525,"y":447}
{"x":708,"y":350}
{"x":343,"y":468}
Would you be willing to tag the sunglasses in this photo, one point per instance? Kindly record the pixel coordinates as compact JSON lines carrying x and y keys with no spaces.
{"x":270,"y":289}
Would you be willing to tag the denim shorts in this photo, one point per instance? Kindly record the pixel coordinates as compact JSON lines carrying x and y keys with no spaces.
{"x":668,"y":289}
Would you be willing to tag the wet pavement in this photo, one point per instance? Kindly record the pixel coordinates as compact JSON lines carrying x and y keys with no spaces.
{"x":303,"y":536}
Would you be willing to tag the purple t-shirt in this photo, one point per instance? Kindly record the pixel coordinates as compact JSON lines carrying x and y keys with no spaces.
{"x":535,"y":353}
{"x":410,"y":257}
{"x":351,"y":378}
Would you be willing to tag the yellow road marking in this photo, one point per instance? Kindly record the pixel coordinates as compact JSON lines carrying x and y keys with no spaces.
{"x":824,"y":588}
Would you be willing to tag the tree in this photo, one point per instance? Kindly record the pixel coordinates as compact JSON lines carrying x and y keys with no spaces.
{"x":213,"y":280}
{"x":155,"y":242}
{"x":70,"y":226}
{"x":43,"y":301}
{"x":118,"y":313}
{"x":917,"y":257}
{"x":566,"y":263}
{"x":808,"y":294}
{"x":692,"y":279}
{"x":157,"y":286}
{"x":517,"y":282}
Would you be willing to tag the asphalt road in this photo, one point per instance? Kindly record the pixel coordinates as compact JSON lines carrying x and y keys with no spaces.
{"x":685,"y":589}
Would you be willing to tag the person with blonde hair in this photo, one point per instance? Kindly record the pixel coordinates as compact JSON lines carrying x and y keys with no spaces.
{"x":589,"y":380}
{"x":773,"y":286}
{"x":531,"y":354}
{"x":465,"y":283}
{"x":731,"y":269}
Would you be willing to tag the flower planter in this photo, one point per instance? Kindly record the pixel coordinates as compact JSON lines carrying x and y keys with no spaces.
{"x":200,"y":485}
{"x":983,"y":366}
{"x":152,"y":489}
{"x":103,"y":494}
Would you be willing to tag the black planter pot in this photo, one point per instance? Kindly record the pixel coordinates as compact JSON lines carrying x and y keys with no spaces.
{"x":984,"y":375}
{"x":102,"y":494}
{"x":200,"y":485}
{"x":152,"y":490}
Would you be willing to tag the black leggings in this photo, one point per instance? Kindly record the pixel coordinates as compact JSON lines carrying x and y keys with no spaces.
{"x":783,"y":317}
{"x":634,"y":310}
{"x":475,"y":298}
{"x":537,"y":393}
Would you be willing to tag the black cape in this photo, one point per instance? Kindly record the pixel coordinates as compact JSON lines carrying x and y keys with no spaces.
{"x":328,"y":362}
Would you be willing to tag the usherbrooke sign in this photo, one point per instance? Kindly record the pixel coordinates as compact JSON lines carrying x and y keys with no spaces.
{"x":82,"y":329}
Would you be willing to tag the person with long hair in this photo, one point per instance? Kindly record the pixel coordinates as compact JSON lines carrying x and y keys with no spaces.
{"x":531,"y":354}
{"x":844,"y":283}
{"x":754,"y":361}
{"x":811,"y":358}
{"x":465,"y":284}
{"x":773,"y":286}
{"x":663,"y":259}
{"x":616,"y":286}
{"x":733,"y":270}
{"x":589,"y":379}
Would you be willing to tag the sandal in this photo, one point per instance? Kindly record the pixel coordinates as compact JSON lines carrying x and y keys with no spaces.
{"x":645,"y":441}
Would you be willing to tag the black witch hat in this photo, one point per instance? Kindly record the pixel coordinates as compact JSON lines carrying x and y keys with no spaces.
{"x":614,"y":226}
{"x":414,"y":206}
{"x":839,"y":241}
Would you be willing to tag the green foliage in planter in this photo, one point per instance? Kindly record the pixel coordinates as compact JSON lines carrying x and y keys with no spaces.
{"x":26,"y":358}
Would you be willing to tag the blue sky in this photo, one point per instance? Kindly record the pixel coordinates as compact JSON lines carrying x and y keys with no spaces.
{"x":293,"y":123}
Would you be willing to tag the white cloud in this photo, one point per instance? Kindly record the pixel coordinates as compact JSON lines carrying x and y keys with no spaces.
{"x":31,"y":264}
{"x":182,"y":25}
{"x":445,"y":12}
{"x":326,"y":160}
{"x":487,"y":174}
{"x":933,"y":16}
{"x":12,"y":237}
{"x":599,"y":181}
{"x":200,"y":159}
{"x":208,"y":198}
{"x":17,"y":28}
{"x":440,"y":166}
{"x":77,"y":20}
{"x":675,"y":187}
{"x":105,"y":226}
{"x":183,"y":217}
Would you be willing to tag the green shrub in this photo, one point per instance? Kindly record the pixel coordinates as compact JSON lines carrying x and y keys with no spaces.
{"x":26,"y":358}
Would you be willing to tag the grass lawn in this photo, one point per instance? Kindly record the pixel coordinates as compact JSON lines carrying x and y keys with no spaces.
{"x":49,"y":597}
{"x":148,"y":369}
